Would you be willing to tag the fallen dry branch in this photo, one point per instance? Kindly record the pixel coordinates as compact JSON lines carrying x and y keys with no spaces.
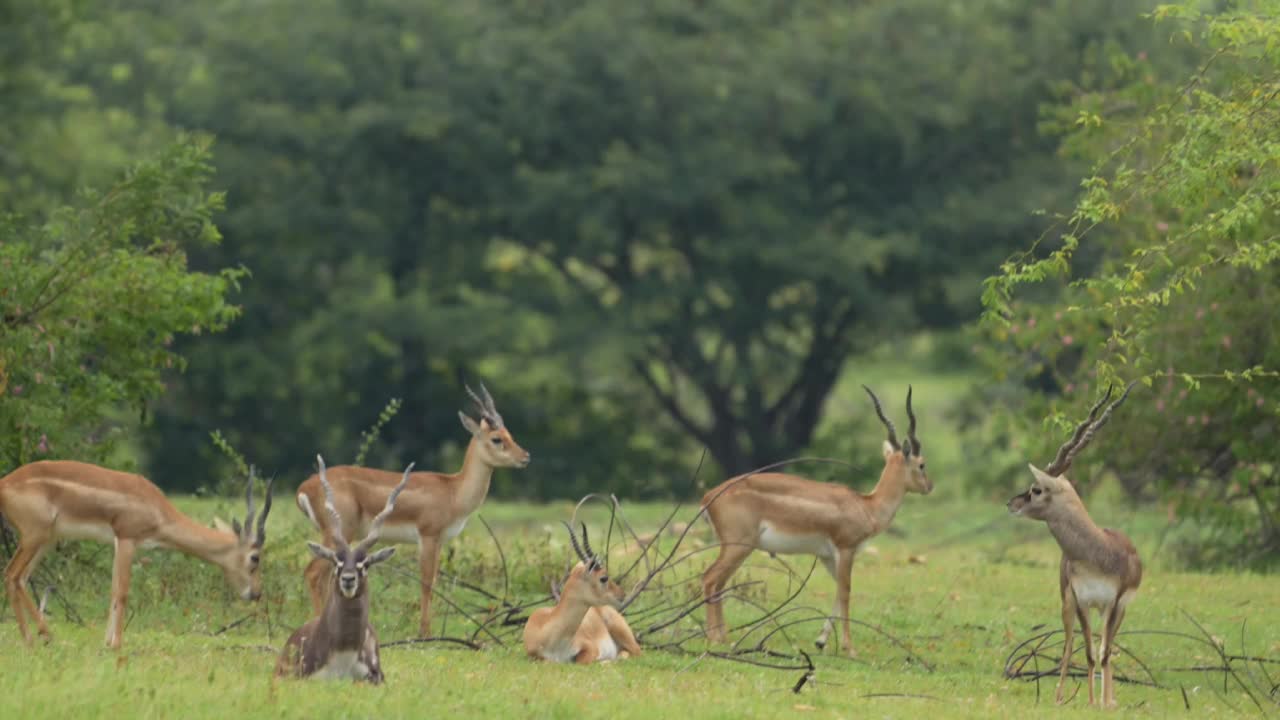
{"x":1248,"y":673}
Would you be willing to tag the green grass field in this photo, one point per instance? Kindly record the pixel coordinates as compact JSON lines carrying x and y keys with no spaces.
{"x":958,"y":582}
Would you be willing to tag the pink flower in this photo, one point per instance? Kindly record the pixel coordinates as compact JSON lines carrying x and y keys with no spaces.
{"x":1191,"y":419}
{"x":1069,"y":388}
{"x":44,"y":443}
{"x":1142,"y":55}
{"x":1204,"y":419}
{"x":1013,"y":329}
{"x":1057,"y":315}
{"x":17,"y":389}
{"x":1199,"y":313}
{"x":1213,"y":306}
{"x":1259,"y":402}
{"x":1162,"y":226}
{"x":1031,"y":323}
{"x":1226,"y":341}
{"x":1067,"y":339}
{"x":1160,"y":405}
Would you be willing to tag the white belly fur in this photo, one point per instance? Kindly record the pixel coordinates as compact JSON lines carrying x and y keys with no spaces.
{"x":407,"y":534}
{"x":560,"y":652}
{"x":1095,"y":592}
{"x":344,"y":665}
{"x":608,"y":648}
{"x":65,"y":530}
{"x":776,"y":542}
{"x":400,"y":534}
{"x":453,"y":530}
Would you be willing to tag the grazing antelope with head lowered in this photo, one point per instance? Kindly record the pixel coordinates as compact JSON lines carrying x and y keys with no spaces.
{"x":1100,"y":568}
{"x":341,"y":643}
{"x":585,"y":625}
{"x":787,"y":514}
{"x":54,"y":500}
{"x":435,"y":506}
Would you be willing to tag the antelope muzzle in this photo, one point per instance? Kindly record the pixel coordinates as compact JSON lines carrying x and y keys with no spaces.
{"x":1018,"y":503}
{"x":348,"y":584}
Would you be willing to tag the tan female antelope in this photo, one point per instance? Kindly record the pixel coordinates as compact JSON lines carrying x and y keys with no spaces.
{"x":787,"y":514}
{"x":1100,"y":568}
{"x":48,"y":501}
{"x":435,"y":506}
{"x":340,"y":643}
{"x":585,"y":625}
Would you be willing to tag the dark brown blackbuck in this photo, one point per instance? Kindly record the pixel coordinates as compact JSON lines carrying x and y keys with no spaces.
{"x":341,"y":643}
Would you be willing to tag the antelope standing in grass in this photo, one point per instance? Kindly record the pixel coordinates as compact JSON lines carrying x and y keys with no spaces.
{"x":435,"y":506}
{"x":54,"y":500}
{"x":341,"y":643}
{"x":585,"y":625}
{"x":786,"y":514}
{"x":1100,"y":568}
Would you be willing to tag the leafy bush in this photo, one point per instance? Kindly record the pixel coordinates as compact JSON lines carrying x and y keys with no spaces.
{"x":1181,"y":214}
{"x":91,"y":299}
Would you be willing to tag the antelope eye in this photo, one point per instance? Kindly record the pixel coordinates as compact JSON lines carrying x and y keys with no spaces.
{"x":253,"y":559}
{"x":604,"y":579}
{"x":921,"y":467}
{"x":1036,"y":491}
{"x":496,"y":440}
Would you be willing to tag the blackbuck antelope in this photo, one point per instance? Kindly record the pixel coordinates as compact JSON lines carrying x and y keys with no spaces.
{"x":435,"y":506}
{"x":585,"y":625}
{"x":48,"y":501}
{"x":341,"y":643}
{"x":787,"y":514}
{"x":1100,"y":568}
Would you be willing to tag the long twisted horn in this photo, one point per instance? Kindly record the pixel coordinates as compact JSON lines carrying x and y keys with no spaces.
{"x":1085,"y":431}
{"x":336,"y":531}
{"x":375,"y":527}
{"x":893,"y":433}
{"x":593,"y":560}
{"x":484,"y":401}
{"x":573,"y":539}
{"x":266,"y":510}
{"x":248,"y":501}
{"x":911,"y":429}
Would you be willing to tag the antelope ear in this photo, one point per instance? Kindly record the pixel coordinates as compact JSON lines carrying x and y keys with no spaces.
{"x":468,"y":423}
{"x":220,"y":524}
{"x":322,"y":552}
{"x":1042,"y":476}
{"x":887,"y":449}
{"x":383,"y":554}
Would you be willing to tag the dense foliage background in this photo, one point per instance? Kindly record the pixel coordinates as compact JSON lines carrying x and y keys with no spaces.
{"x":650,"y":228}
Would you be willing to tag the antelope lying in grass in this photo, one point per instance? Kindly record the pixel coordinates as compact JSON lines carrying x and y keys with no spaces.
{"x":1100,"y":567}
{"x":787,"y":514}
{"x":341,"y":643}
{"x":585,"y":625}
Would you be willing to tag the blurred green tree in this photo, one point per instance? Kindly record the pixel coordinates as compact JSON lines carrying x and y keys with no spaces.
{"x":611,"y":212}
